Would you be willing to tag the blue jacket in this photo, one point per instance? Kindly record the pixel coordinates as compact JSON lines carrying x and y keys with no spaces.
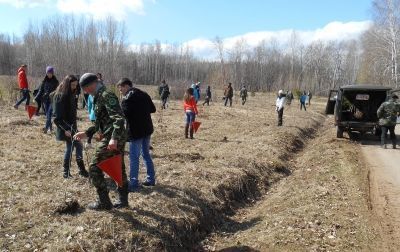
{"x":303,"y":98}
{"x":90,"y":108}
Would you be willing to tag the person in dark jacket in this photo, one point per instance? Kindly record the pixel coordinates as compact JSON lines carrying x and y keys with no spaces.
{"x":208,"y":96}
{"x":228,"y":94}
{"x":48,"y":86}
{"x":65,"y":120}
{"x":137,"y":107}
{"x":164,"y":93}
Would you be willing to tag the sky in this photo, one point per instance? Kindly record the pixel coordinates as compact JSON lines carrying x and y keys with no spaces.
{"x":198,"y":22}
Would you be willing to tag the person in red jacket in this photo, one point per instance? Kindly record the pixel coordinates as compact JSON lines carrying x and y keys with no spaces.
{"x":190,"y":107}
{"x":23,"y":86}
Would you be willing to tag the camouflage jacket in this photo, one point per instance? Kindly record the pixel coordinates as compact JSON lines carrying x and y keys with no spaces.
{"x":387,"y":113}
{"x":110,"y":122}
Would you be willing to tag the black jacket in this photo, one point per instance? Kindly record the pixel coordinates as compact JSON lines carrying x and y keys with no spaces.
{"x":65,"y":115}
{"x":138,"y":107}
{"x":46,"y":88}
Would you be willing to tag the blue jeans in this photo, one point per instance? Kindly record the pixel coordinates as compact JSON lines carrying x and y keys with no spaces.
{"x":190,"y":118}
{"x":49,"y":114}
{"x":69,"y":147}
{"x":25,"y":96}
{"x":137,"y":147}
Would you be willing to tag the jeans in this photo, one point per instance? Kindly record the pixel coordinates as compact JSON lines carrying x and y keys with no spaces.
{"x":164,"y":103}
{"x":137,"y":147}
{"x":190,"y":118}
{"x":280,"y":117}
{"x":25,"y":96}
{"x":230,"y":101}
{"x":69,"y":147}
{"x":303,"y":105}
{"x":385,"y":129}
{"x":49,"y":114}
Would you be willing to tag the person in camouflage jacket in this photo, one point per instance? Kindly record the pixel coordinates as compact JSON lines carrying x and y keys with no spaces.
{"x":387,"y":114}
{"x":109,"y":129}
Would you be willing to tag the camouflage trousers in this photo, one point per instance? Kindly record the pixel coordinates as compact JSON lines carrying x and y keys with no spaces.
{"x":101,"y":154}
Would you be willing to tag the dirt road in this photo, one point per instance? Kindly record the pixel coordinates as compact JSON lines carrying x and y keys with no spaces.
{"x":384,"y":177}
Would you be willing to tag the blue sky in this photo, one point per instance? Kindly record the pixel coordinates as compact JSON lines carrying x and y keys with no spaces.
{"x":196,"y":22}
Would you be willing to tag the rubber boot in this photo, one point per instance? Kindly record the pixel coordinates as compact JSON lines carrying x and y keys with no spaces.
{"x":82,"y":170}
{"x":103,"y":203}
{"x":187,"y":131}
{"x":66,"y":173}
{"x":191,"y":132}
{"x":122,"y":201}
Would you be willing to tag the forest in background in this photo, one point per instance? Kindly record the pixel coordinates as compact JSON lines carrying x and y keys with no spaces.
{"x":74,"y":45}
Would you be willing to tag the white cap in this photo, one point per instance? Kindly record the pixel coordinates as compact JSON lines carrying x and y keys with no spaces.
{"x":280,"y":91}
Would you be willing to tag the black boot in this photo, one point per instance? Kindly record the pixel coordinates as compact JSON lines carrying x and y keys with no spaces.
{"x":122,"y":201}
{"x":82,"y":170}
{"x":394,"y":144}
{"x":66,"y":173}
{"x":187,"y":131}
{"x":191,"y":132}
{"x":104,"y":202}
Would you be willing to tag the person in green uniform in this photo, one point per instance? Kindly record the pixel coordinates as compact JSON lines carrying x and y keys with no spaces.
{"x":109,"y":129}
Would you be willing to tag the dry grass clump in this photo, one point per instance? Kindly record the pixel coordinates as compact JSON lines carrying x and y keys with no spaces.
{"x":237,"y":154}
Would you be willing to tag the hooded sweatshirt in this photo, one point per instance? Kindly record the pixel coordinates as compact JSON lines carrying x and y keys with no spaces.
{"x":22,"y":81}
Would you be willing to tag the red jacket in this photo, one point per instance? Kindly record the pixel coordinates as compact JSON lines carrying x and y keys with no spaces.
{"x":22,"y":81}
{"x":190,"y":105}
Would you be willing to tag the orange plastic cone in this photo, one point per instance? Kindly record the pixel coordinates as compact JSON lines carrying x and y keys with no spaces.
{"x":196,"y":126}
{"x":113,"y":168}
{"x":31,"y":111}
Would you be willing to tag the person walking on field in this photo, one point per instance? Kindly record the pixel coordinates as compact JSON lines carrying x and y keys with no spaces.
{"x":48,"y":86}
{"x":110,"y":131}
{"x":387,"y":114}
{"x":138,"y":107}
{"x":303,"y":99}
{"x":309,"y":94}
{"x":65,"y":120}
{"x":280,"y":105}
{"x":228,"y":94}
{"x":164,"y":93}
{"x":243,"y":94}
{"x":208,"y":96}
{"x":190,"y":107}
{"x":23,"y":86}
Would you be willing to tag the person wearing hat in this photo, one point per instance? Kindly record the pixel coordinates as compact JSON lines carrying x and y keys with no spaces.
{"x":280,"y":105}
{"x":109,"y":129}
{"x":387,"y":114}
{"x":47,"y":87}
{"x":23,"y":86}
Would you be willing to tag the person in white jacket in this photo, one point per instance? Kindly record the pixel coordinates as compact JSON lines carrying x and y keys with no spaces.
{"x":280,"y":105}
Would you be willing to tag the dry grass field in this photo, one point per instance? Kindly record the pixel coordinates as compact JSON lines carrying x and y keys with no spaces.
{"x":237,"y":155}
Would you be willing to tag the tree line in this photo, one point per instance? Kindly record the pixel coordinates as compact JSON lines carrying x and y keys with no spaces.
{"x":78,"y":45}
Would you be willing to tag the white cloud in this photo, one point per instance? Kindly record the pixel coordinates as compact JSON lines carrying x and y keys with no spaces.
{"x":25,"y":3}
{"x":334,"y":31}
{"x":99,"y":9}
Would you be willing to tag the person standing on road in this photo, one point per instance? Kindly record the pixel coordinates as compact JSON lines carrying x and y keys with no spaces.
{"x":110,"y":130}
{"x":228,"y":94}
{"x":243,"y":94}
{"x":23,"y":86}
{"x":138,"y":107}
{"x":387,"y":114}
{"x":164,"y":93}
{"x":48,"y":86}
{"x":280,"y":105}
{"x":65,"y":120}
{"x":303,"y":99}
{"x":190,"y":107}
{"x":208,"y":96}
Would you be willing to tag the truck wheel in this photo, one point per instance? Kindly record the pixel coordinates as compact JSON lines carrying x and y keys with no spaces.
{"x":339,"y":132}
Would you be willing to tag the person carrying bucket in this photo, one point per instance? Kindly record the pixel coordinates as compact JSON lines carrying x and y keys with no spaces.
{"x":190,"y":107}
{"x":65,"y":120}
{"x":110,"y":131}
